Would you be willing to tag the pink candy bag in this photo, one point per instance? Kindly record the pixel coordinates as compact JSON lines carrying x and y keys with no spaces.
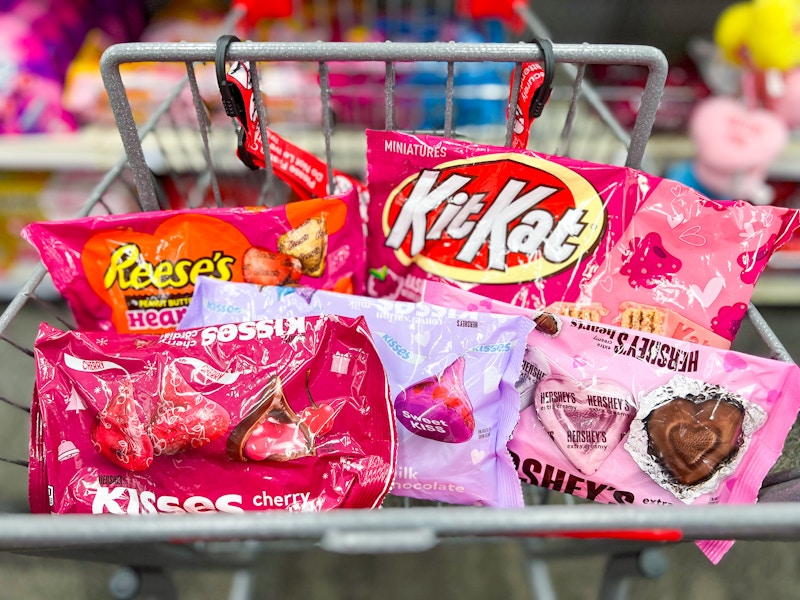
{"x":625,"y":417}
{"x":451,"y":374}
{"x":599,"y":242}
{"x":286,"y":414}
{"x":135,"y":273}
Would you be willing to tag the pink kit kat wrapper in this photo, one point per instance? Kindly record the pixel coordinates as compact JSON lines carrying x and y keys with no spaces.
{"x":624,"y":417}
{"x":569,"y":236}
{"x":284,"y":414}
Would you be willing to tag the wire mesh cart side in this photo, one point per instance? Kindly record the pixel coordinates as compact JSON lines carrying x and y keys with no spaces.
{"x":243,"y":540}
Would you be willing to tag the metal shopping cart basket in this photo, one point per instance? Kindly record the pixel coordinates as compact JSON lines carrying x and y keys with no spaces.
{"x":546,"y":529}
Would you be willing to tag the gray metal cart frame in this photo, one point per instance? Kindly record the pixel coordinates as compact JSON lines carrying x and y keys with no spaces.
{"x":239,"y":540}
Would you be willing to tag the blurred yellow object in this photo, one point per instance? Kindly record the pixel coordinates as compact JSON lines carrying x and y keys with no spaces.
{"x":763,"y":34}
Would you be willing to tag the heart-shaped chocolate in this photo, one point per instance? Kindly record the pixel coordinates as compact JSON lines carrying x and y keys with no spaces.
{"x":119,"y":434}
{"x":585,"y":420}
{"x":183,"y":418}
{"x":692,"y":439}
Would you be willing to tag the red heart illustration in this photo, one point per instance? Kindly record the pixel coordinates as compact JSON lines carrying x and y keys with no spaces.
{"x":585,"y":420}
{"x":184,"y":418}
{"x":119,"y":435}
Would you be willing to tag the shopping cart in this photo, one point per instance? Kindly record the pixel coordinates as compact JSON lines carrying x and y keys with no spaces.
{"x":550,"y":526}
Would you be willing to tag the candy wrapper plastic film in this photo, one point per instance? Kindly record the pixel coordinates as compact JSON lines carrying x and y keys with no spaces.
{"x":599,"y":242}
{"x":135,"y":273}
{"x":620,"y":416}
{"x":451,"y":374}
{"x":284,"y":414}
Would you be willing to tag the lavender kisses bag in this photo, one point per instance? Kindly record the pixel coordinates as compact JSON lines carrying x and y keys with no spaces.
{"x":451,"y":375}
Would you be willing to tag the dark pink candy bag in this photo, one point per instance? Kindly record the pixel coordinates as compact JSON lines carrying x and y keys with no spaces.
{"x":135,"y":273}
{"x":286,"y":414}
{"x":600,"y":242}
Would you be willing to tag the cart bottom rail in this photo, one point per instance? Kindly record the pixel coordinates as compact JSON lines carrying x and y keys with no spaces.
{"x":402,"y":530}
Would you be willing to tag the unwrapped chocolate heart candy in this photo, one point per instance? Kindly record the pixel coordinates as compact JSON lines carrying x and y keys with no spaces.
{"x":586,"y":420}
{"x":691,"y":438}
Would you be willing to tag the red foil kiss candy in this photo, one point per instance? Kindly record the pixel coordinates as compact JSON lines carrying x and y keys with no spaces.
{"x":438,"y":407}
{"x":118,"y":433}
{"x":585,"y":420}
{"x":184,"y":418}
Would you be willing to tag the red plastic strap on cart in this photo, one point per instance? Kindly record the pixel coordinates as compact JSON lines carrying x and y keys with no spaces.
{"x":255,"y":10}
{"x":639,"y":535}
{"x":487,"y":9}
{"x":304,"y":172}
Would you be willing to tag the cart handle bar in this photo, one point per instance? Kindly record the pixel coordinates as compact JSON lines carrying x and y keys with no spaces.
{"x":389,"y":52}
{"x":708,"y":522}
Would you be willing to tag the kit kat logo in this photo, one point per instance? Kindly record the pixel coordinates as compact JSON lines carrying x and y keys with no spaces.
{"x":501,"y":218}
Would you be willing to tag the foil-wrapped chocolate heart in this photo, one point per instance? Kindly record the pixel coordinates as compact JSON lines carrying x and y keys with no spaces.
{"x":692,"y":439}
{"x":689,"y":435}
{"x":586,"y":420}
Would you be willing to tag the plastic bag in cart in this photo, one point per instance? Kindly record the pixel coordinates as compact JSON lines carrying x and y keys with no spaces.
{"x":600,"y":242}
{"x":285,"y":414}
{"x":135,"y":273}
{"x":451,"y":375}
{"x":622,"y":416}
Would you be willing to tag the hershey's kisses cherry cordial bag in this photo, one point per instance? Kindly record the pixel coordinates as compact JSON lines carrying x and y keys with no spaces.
{"x":277,"y":414}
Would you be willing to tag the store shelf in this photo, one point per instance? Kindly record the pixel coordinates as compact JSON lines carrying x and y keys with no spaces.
{"x":778,"y":289}
{"x":90,"y":149}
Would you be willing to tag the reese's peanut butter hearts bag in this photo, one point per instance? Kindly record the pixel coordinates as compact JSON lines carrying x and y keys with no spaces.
{"x":135,"y":273}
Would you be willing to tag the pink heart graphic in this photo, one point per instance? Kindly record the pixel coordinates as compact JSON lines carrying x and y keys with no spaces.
{"x":578,"y":361}
{"x":772,"y":397}
{"x":606,"y":283}
{"x":733,"y":362}
{"x":486,"y":304}
{"x":710,"y":293}
{"x":692,"y":237}
{"x":674,"y":220}
{"x":585,"y":420}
